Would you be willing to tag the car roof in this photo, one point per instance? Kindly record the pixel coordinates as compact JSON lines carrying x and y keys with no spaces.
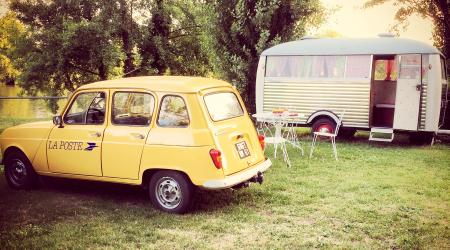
{"x":351,"y":46}
{"x":179,"y":84}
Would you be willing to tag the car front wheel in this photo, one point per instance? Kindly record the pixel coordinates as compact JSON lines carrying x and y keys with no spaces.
{"x":171,"y":191}
{"x":18,"y":171}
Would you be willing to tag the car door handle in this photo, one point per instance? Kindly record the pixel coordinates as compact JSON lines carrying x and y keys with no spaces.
{"x":137,"y":136}
{"x":95,"y":134}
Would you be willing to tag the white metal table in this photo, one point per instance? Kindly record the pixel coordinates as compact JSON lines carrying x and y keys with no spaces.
{"x":278,"y":121}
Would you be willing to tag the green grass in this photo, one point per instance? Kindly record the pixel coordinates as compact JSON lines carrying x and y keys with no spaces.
{"x":376,"y":196}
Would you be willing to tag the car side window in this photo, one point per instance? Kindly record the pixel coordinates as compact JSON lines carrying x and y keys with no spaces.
{"x":173,"y":112}
{"x":87,"y":108}
{"x":132,"y":108}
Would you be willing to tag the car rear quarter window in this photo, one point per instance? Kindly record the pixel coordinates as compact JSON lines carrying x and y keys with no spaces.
{"x":173,"y":112}
{"x":223,"y":105}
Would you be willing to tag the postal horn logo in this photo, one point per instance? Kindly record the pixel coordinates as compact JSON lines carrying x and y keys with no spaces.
{"x":91,"y":146}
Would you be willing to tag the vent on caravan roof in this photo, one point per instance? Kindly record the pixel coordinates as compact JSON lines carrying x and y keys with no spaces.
{"x":308,"y":37}
{"x":388,"y":35}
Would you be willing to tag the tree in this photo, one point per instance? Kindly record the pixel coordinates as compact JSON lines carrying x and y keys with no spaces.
{"x":11,"y":32}
{"x":155,"y":46}
{"x":69,"y":43}
{"x":172,"y":43}
{"x":436,"y":10}
{"x":129,"y":33}
{"x":241,"y":29}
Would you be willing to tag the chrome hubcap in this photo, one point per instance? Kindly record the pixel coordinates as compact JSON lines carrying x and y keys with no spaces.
{"x":168,"y":193}
{"x":18,"y":172}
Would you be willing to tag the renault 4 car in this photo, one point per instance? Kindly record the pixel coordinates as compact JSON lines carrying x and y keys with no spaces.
{"x":168,"y":134}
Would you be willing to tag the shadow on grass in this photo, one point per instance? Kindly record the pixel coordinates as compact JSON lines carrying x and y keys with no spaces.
{"x":56,"y":200}
{"x":204,"y":200}
{"x":362,"y":138}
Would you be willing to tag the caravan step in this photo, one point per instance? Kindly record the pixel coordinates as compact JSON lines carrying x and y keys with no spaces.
{"x":444,"y":131}
{"x":383,"y":131}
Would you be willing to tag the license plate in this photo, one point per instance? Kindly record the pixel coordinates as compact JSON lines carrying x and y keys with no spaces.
{"x":242,"y":149}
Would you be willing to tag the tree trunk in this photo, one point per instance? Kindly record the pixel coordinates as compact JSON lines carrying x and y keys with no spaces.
{"x":125,"y":35}
{"x":251,"y":86}
{"x":102,"y":71}
{"x":443,"y":6}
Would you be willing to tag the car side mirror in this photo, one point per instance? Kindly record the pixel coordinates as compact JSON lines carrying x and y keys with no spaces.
{"x":57,"y":120}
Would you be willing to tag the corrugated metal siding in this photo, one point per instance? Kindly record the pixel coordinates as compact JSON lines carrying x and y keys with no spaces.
{"x":423,"y":105}
{"x":307,"y":97}
{"x":444,"y":105}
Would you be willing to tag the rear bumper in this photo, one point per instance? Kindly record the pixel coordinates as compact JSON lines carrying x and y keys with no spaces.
{"x":237,"y":178}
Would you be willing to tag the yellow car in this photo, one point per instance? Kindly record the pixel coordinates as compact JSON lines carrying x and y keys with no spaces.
{"x":168,"y":134}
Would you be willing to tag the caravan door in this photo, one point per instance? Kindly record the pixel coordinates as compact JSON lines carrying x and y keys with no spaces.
{"x":407,"y":98}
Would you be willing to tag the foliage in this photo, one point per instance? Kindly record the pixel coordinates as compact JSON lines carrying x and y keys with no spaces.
{"x":171,"y":42}
{"x":242,"y":29}
{"x":11,"y":33}
{"x":329,"y":33}
{"x":70,"y":43}
{"x":436,"y":10}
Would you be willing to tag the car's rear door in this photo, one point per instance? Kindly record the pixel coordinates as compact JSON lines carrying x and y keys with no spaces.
{"x":129,"y":124}
{"x":233,"y":131}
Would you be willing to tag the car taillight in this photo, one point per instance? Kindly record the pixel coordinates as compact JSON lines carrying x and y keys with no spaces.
{"x":261,"y":141}
{"x":216,"y":157}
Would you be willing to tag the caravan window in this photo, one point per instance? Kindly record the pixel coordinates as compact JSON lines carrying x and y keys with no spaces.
{"x":425,"y":68}
{"x":358,"y":66}
{"x":318,"y":66}
{"x":305,"y":66}
{"x":410,"y":66}
{"x":385,"y":70}
{"x":443,"y":69}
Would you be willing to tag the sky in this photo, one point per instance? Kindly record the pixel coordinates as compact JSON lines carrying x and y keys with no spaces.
{"x":351,"y":20}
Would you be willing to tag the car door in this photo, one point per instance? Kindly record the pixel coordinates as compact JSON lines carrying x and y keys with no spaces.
{"x":75,"y":147}
{"x":125,"y":136}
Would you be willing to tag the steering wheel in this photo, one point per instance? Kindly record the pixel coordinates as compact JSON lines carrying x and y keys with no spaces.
{"x":96,"y":110}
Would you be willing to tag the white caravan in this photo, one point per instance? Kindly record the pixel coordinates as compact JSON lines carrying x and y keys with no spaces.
{"x":384,"y":85}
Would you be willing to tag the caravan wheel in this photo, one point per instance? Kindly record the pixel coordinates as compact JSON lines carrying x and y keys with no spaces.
{"x":323,"y":125}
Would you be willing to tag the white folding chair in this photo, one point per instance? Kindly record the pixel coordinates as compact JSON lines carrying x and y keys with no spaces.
{"x":291,"y":135}
{"x":332,"y":137}
{"x":277,"y":139}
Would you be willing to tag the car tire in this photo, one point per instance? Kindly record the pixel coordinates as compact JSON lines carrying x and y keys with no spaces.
{"x":323,"y":125}
{"x":171,"y":191}
{"x":19,"y":172}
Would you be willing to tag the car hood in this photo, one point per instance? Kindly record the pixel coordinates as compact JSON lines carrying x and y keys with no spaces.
{"x":29,"y":130}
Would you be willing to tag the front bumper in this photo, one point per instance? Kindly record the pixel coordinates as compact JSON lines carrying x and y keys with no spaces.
{"x":234,"y":179}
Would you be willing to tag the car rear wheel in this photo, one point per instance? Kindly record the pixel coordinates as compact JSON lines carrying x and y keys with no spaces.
{"x":18,"y":171}
{"x":171,"y":191}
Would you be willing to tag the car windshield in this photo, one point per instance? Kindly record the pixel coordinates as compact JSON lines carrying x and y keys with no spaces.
{"x":223,"y":105}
